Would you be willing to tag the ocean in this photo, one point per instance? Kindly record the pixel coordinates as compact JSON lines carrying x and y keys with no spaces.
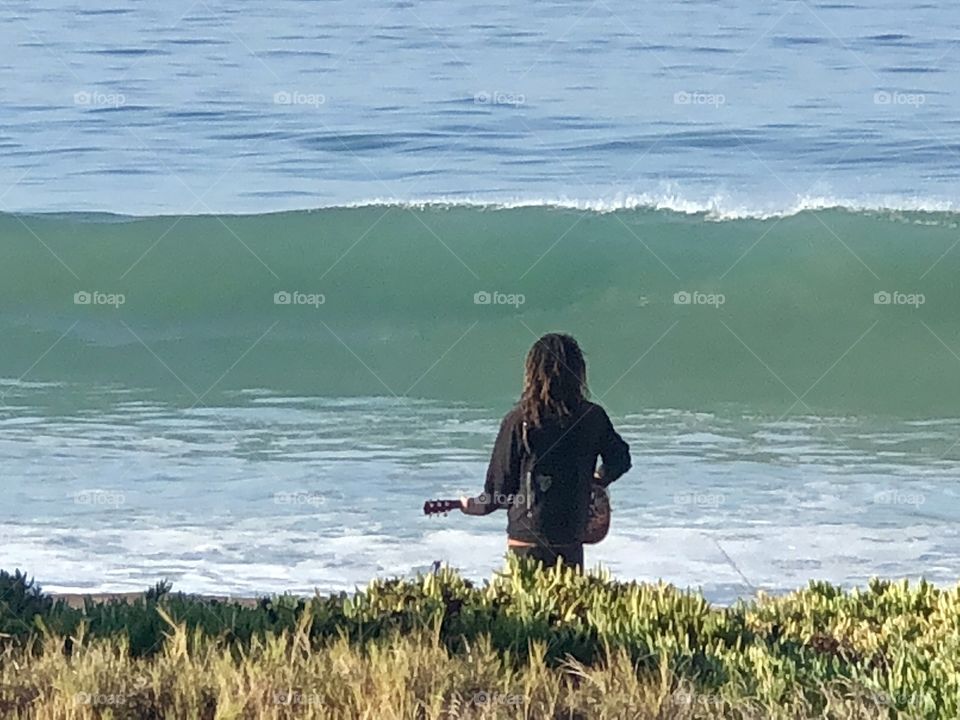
{"x":268,"y":276}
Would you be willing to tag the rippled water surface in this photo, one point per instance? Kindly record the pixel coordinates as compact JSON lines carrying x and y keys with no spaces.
{"x":222,"y":106}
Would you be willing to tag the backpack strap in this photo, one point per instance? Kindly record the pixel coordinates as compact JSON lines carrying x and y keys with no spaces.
{"x":525,"y":470}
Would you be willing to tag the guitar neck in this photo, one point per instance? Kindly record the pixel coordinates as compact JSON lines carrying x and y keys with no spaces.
{"x":436,"y":507}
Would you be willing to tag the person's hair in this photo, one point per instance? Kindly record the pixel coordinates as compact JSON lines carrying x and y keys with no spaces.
{"x":554,"y":379}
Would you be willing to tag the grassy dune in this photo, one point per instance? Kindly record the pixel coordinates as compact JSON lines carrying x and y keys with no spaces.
{"x":526,"y":644}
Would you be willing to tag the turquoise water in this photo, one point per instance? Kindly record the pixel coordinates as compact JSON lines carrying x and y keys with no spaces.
{"x":783,"y":315}
{"x":267,"y":278}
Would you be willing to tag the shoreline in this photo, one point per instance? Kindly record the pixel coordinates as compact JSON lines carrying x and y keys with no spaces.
{"x":76,"y":600}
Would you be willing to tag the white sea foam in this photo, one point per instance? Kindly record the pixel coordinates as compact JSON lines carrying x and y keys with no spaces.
{"x":718,"y":207}
{"x":725,"y":563}
{"x":187,"y":500}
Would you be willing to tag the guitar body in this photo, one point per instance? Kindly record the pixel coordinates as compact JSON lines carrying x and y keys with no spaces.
{"x":598,"y":519}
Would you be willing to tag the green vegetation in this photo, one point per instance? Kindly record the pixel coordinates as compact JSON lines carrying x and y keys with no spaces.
{"x":528,"y":643}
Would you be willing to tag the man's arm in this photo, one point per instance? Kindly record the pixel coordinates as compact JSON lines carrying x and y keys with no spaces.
{"x":503,"y":473}
{"x":614,"y":453}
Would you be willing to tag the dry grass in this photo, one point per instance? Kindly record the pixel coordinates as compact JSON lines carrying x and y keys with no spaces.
{"x":402,"y":677}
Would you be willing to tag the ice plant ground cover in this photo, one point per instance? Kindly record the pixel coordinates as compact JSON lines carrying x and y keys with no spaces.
{"x":527,"y":643}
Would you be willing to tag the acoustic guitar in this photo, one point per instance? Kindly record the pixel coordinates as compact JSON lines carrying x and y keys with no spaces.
{"x":598,"y":518}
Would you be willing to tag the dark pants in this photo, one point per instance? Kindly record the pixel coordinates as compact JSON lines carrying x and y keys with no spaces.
{"x":570,"y":555}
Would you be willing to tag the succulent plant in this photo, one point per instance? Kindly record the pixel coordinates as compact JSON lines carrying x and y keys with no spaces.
{"x":898,"y":642}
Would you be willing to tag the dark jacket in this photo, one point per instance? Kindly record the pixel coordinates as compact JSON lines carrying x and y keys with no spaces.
{"x":542,"y":475}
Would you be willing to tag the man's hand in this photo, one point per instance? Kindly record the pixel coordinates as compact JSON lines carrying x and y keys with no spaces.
{"x":476,"y":506}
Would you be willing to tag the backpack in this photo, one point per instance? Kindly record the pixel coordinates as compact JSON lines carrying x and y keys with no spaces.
{"x":535,"y":487}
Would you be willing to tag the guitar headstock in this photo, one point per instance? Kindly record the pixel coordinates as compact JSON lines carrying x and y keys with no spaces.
{"x":435,"y":507}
